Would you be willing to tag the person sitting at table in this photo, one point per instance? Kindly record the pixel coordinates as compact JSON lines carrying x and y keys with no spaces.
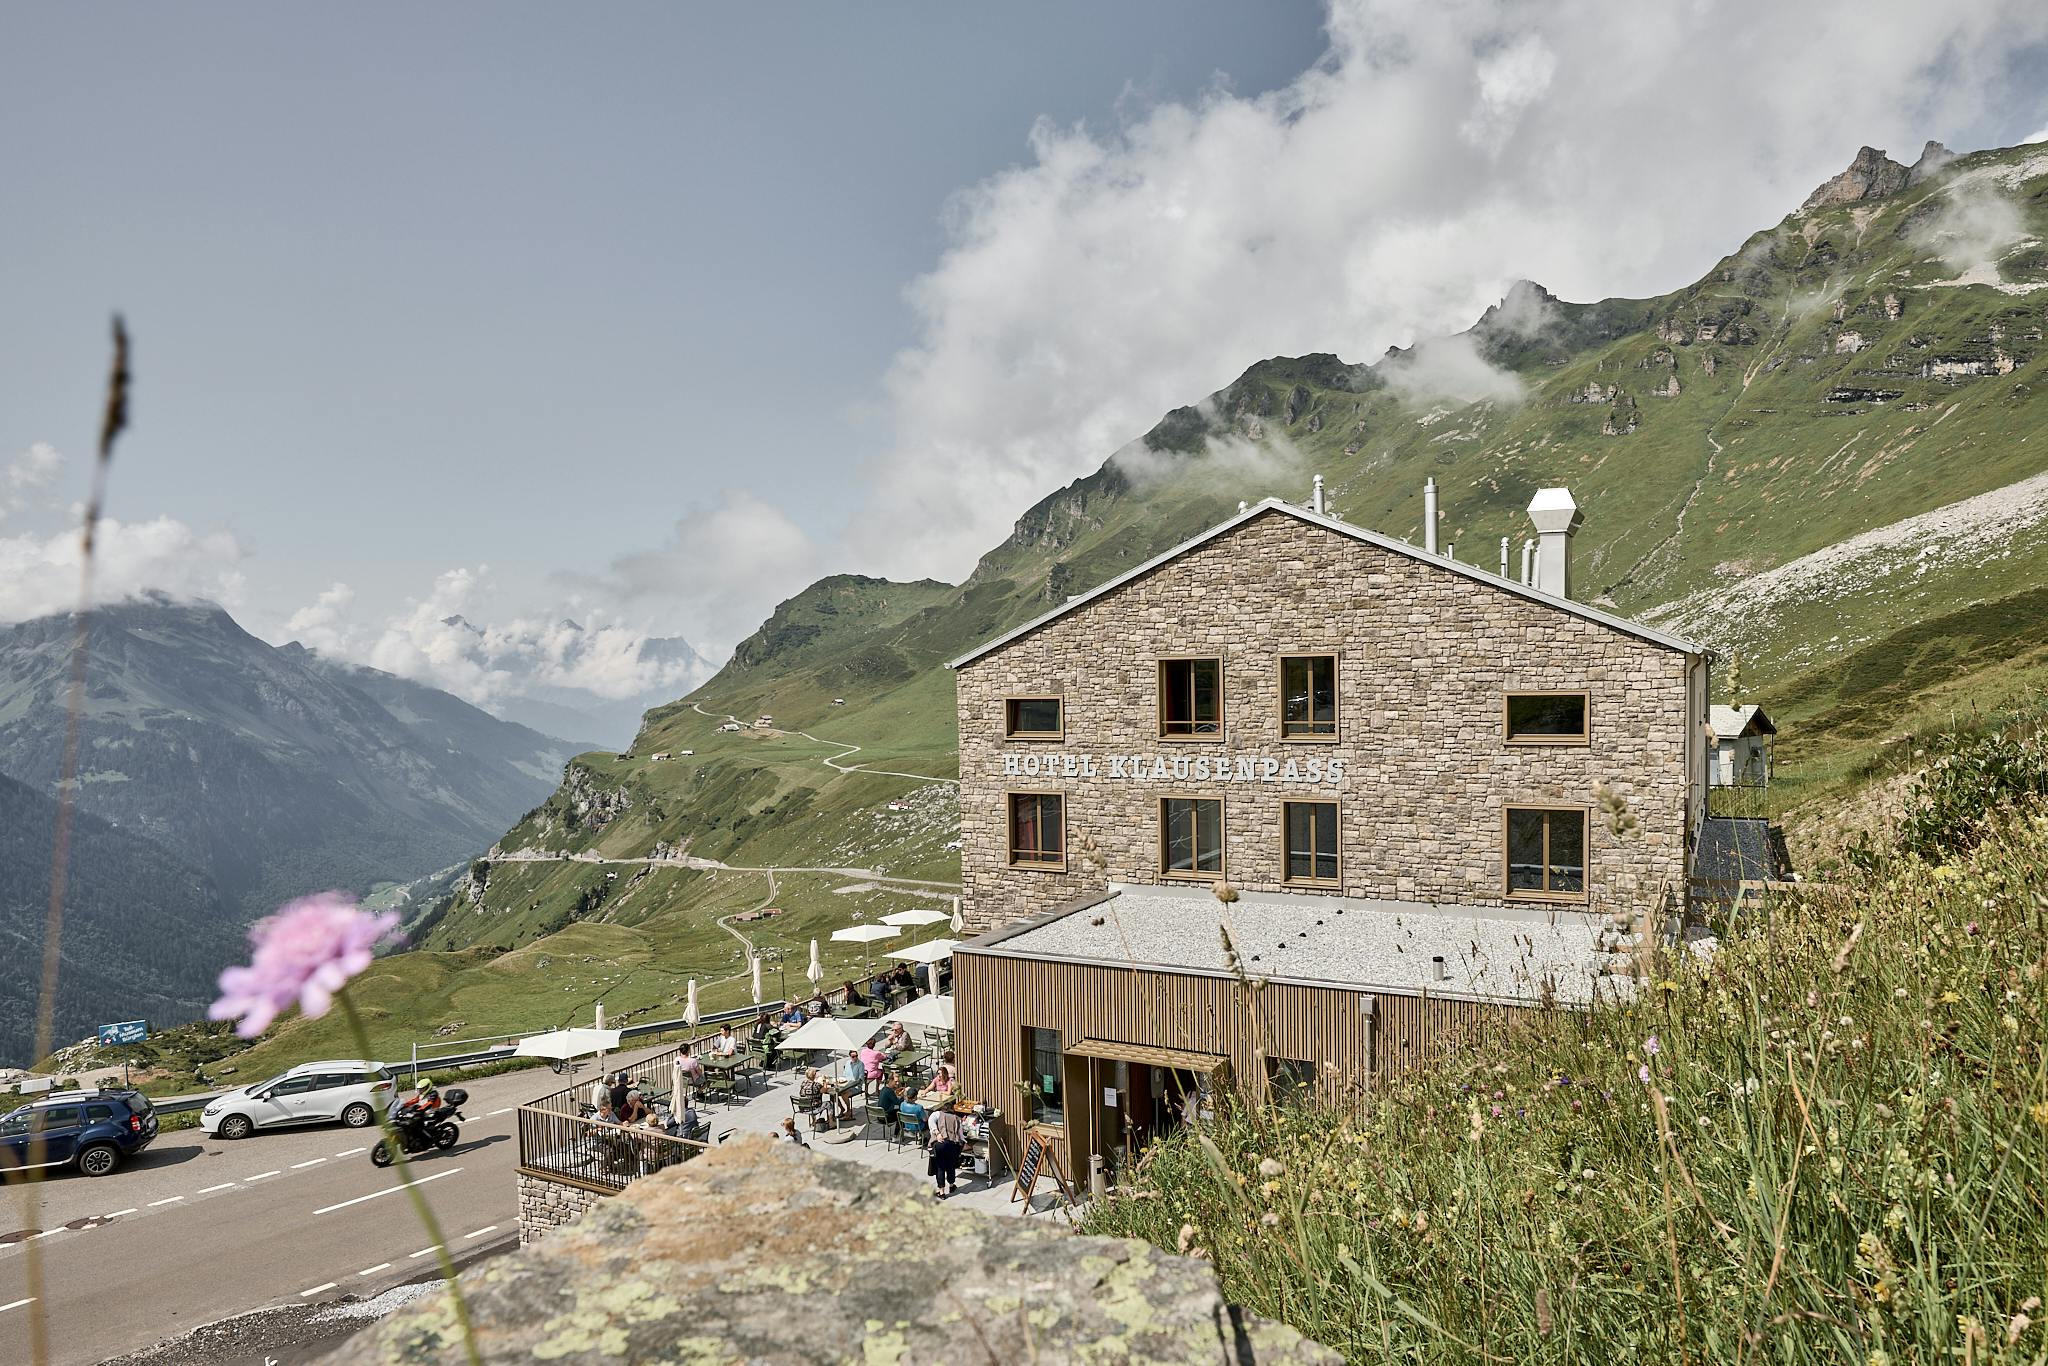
{"x":870,"y":1059}
{"x":763,"y":1031}
{"x":910,"y":1111}
{"x":889,"y":1098}
{"x":794,"y":1013}
{"x":942,"y":1080}
{"x":619,"y":1088}
{"x":812,"y":1087}
{"x":896,"y":1040}
{"x":852,"y":999}
{"x":687,"y":1071}
{"x":636,"y":1109}
{"x":817,"y":1007}
{"x":725,"y":1045}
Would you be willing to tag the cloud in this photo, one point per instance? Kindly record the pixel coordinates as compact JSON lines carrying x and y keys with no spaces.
{"x":324,"y":625}
{"x":39,"y":575}
{"x":723,"y":568}
{"x":1389,"y":193}
{"x":1451,"y":369}
{"x":2039,"y":135}
{"x":27,"y":475}
{"x":1975,"y":226}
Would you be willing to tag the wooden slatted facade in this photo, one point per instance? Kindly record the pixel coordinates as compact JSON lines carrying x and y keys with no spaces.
{"x":1350,"y":1034}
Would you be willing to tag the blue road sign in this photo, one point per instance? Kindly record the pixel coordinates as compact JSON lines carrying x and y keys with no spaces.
{"x":128,"y":1031}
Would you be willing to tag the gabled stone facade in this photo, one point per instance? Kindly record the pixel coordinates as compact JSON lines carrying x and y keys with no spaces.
{"x":1426,"y":654}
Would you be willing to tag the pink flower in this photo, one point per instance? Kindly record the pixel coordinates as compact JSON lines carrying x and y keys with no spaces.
{"x":1643,"y":1074}
{"x":1651,"y":1047}
{"x":305,"y":952}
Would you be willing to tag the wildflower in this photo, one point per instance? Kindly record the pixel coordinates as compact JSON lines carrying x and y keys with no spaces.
{"x":1652,"y":1047}
{"x":1271,"y":1167}
{"x":304,"y":953}
{"x":2039,"y":1110}
{"x":1186,"y":1239}
{"x":1643,"y":1074}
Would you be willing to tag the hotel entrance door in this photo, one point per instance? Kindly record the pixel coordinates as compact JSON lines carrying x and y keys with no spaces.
{"x":1131,"y":1094}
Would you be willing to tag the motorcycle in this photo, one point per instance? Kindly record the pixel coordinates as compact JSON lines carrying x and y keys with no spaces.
{"x":421,"y":1129}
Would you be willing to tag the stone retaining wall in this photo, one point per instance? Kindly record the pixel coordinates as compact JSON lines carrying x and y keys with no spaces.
{"x":546,"y":1205}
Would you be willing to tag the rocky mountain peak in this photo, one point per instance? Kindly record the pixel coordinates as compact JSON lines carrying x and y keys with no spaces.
{"x":1872,"y":175}
{"x":1933,"y":157}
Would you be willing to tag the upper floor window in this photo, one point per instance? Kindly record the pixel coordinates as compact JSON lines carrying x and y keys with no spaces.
{"x":1038,"y":830}
{"x":1308,"y":697}
{"x":1546,"y":852}
{"x":1191,"y":836}
{"x":1546,"y":718}
{"x":1310,"y":832}
{"x":1190,"y":697}
{"x":1033,"y":718}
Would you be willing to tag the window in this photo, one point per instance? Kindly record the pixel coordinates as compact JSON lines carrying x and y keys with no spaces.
{"x":1190,"y":697}
{"x":1289,"y":1080}
{"x":59,"y":1117}
{"x":95,"y":1113}
{"x":1546,"y":852}
{"x":1042,"y":1073}
{"x":1546,"y":718}
{"x":1308,"y":697}
{"x":1310,"y":829}
{"x":292,"y":1086}
{"x":1191,"y":836}
{"x":1038,"y":830}
{"x":329,"y":1081}
{"x":1032,"y":718}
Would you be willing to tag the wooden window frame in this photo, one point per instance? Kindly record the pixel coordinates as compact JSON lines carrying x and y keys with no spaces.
{"x":1509,"y":891}
{"x":1336,"y":659}
{"x":1222,"y":702}
{"x":1579,"y":741}
{"x":1010,"y":831}
{"x":1285,"y":879}
{"x":1011,"y":734}
{"x":1222,"y":837}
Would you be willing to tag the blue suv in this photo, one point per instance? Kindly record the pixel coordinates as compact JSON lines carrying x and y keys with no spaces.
{"x":91,"y":1130}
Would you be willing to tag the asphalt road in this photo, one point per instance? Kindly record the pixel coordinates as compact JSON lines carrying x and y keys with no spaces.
{"x":196,"y":1229}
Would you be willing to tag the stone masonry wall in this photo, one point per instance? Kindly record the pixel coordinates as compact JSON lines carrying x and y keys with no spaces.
{"x":1425,"y":656}
{"x":548,"y":1205}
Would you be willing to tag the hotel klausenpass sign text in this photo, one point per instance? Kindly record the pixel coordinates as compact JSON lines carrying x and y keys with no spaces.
{"x":1180,"y":768}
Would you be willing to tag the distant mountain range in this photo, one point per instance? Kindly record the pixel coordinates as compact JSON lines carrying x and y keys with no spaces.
{"x":223,"y":775}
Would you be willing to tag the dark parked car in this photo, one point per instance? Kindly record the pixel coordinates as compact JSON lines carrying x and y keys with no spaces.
{"x":91,"y":1130}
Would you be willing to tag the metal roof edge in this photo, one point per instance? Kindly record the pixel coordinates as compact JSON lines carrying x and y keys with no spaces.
{"x":1357,"y":533}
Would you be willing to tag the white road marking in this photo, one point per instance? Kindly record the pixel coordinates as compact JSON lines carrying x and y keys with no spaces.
{"x":487,"y":1228}
{"x":119,"y":1212}
{"x":495,"y":1113}
{"x":423,"y":1252}
{"x":351,"y":1152}
{"x":316,"y":1290}
{"x":225,"y":1185}
{"x":48,"y":1233}
{"x":167,"y":1200}
{"x":259,"y":1176}
{"x":373,"y":1270}
{"x":17,"y":1304}
{"x":301,"y":1166}
{"x":393,"y":1190}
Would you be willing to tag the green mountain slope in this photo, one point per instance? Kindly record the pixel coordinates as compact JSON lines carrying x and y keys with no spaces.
{"x":144,"y":934}
{"x":1770,"y":457}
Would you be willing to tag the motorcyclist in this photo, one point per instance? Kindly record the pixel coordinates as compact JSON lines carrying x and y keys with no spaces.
{"x":424,"y":1102}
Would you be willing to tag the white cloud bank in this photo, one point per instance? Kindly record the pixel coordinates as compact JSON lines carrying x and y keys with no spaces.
{"x":39,"y":574}
{"x":1438,"y":153}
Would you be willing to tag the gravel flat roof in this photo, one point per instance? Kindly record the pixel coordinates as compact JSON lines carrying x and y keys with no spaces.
{"x":1497,"y":953}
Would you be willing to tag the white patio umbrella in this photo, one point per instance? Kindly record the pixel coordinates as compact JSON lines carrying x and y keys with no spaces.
{"x":690,"y":1015}
{"x":926,"y":1012}
{"x":816,"y":971}
{"x":754,"y":968}
{"x":833,"y":1033}
{"x":919,"y":916}
{"x":959,"y":921}
{"x":563,"y":1044}
{"x":930,"y":951}
{"x":599,"y":1020}
{"x":866,"y":934}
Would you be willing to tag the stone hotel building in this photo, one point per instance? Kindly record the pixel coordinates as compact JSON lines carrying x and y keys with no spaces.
{"x":1436,"y":790}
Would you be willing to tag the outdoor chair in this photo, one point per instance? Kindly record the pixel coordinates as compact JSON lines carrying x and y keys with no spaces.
{"x":813,"y":1106}
{"x":885,"y":1118}
{"x":914,"y":1129}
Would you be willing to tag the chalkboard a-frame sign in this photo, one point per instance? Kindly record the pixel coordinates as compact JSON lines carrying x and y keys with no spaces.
{"x":1040,"y":1154}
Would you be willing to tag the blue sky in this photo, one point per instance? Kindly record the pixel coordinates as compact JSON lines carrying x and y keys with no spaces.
{"x":651,"y":313}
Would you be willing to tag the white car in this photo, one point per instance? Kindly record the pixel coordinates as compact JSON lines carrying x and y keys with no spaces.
{"x":347,"y":1091}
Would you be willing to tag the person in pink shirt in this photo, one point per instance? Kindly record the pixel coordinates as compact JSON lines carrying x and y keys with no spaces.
{"x":871,"y":1061}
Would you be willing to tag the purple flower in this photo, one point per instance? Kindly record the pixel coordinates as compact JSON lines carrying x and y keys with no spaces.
{"x":1651,"y":1047}
{"x":1643,"y":1074}
{"x":304,"y":953}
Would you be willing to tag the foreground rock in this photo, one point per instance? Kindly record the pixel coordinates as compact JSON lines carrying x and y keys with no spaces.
{"x":761,"y":1252}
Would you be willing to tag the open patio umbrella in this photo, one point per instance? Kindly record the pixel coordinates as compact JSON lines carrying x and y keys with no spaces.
{"x":866,"y":934}
{"x":690,"y":1015}
{"x":919,"y":916}
{"x":930,"y":951}
{"x":832,"y":1033}
{"x":560,"y":1045}
{"x":926,"y":1012}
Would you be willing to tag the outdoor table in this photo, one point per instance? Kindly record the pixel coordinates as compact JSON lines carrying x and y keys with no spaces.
{"x":722,"y":1069}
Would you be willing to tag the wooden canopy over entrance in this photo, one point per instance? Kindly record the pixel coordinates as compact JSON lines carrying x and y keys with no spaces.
{"x":1108,"y":1050}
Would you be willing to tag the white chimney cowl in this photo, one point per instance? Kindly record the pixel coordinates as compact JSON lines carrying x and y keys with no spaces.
{"x":1556,"y":517}
{"x":1429,"y":515}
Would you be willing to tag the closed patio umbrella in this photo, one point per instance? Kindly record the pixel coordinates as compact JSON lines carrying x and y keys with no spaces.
{"x":754,"y":969}
{"x":690,"y":1015}
{"x":816,"y":971}
{"x":959,"y":923}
